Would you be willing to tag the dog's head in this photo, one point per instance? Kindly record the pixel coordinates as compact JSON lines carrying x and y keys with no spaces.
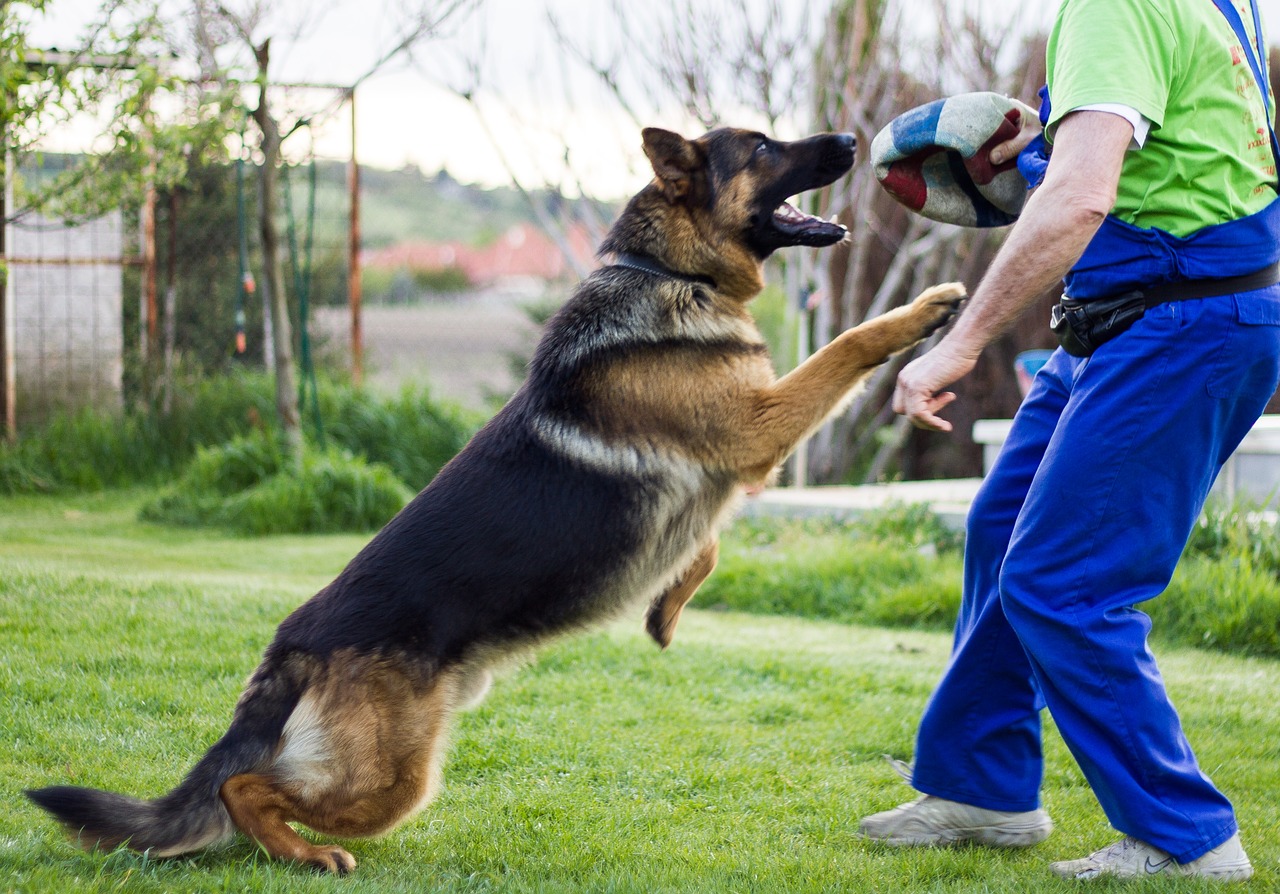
{"x":738,"y":182}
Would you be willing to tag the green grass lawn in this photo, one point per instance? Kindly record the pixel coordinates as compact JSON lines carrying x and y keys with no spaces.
{"x":738,"y":760}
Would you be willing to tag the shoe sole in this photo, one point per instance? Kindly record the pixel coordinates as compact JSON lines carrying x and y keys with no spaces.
{"x":1237,"y":873}
{"x":991,"y":836}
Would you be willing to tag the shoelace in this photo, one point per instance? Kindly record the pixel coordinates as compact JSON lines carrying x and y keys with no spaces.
{"x":1127,"y":843}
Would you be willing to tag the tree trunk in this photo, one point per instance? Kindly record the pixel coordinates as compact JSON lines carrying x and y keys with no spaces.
{"x":170,"y":306}
{"x":8,"y":414}
{"x":273,"y":278}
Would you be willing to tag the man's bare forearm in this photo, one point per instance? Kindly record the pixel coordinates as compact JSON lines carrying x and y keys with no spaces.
{"x":1056,"y":226}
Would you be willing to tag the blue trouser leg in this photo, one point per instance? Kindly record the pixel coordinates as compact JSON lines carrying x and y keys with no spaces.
{"x":979,"y":739}
{"x":1143,"y":428}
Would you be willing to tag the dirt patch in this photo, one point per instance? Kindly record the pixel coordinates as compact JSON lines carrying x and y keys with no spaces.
{"x":470,"y":350}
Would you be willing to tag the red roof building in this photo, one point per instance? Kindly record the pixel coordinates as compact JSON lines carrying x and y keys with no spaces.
{"x":524,"y":251}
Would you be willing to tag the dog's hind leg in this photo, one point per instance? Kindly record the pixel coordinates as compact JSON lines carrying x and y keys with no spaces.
{"x":262,"y":809}
{"x":664,"y":612}
{"x":361,"y":752}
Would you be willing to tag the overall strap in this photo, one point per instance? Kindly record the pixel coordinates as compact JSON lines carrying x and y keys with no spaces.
{"x":1228,"y":9}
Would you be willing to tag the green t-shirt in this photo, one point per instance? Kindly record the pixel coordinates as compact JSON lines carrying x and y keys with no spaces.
{"x":1208,"y":156}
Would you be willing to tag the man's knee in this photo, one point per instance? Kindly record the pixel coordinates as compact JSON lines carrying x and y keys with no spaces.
{"x":1028,"y":595}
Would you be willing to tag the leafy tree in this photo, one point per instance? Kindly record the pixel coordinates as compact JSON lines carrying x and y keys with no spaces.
{"x":172,"y":91}
{"x":222,"y":61}
{"x":114,"y":75}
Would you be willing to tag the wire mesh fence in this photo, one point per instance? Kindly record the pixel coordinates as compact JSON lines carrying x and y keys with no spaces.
{"x":67,"y":299}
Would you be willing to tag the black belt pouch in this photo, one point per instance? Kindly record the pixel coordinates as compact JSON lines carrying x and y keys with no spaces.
{"x":1081,"y":326}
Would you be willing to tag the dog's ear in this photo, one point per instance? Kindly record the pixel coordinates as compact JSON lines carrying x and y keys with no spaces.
{"x":675,"y":161}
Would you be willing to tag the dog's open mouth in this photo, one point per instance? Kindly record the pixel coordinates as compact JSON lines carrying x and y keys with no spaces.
{"x":799,"y":228}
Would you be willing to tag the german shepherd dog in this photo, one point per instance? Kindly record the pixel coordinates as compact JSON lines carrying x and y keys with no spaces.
{"x":649,"y":404}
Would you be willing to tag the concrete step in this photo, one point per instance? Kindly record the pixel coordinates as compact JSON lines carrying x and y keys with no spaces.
{"x":949,"y":499}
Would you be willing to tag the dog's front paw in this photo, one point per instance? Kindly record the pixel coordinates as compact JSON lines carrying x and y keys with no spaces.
{"x":934,"y":307}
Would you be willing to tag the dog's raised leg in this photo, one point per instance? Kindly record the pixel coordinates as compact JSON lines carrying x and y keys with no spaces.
{"x":664,"y":612}
{"x":809,"y":392}
{"x":793,"y":407}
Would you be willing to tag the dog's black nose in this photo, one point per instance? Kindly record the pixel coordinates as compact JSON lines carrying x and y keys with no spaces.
{"x":847,"y":141}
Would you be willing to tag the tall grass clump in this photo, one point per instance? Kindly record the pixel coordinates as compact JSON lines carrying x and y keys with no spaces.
{"x":1225,"y":594}
{"x":410,"y":433}
{"x":247,"y":487}
{"x":333,"y":491}
{"x":902,"y":567}
{"x":95,"y":449}
{"x":92,"y":449}
{"x":898,"y":567}
{"x":1228,"y":605}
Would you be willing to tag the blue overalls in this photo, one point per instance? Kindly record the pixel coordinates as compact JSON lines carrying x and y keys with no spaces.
{"x":1083,"y":516}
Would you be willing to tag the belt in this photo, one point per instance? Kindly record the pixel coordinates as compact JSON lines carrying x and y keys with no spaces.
{"x":1081,"y":326}
{"x":1211,"y":288}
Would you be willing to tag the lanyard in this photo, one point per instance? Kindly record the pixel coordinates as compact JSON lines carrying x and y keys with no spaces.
{"x":1228,"y":9}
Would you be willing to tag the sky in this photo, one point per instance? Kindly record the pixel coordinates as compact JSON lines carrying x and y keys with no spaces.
{"x":521,"y":120}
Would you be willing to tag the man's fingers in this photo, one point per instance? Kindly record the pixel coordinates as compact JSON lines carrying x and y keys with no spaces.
{"x":925,"y":413}
{"x":917,"y":394}
{"x":922,"y":408}
{"x":1029,"y":128}
{"x":1002,"y":152}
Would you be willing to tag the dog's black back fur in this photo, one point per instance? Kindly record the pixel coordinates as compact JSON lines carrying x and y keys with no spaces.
{"x":456,"y":570}
{"x":479,"y":583}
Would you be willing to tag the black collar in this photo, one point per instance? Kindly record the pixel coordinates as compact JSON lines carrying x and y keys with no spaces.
{"x":649,"y":265}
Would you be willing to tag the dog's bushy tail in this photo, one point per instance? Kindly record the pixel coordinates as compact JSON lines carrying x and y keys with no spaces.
{"x":192,"y":816}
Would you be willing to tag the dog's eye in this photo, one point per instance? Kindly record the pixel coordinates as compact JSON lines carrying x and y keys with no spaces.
{"x":763,"y":147}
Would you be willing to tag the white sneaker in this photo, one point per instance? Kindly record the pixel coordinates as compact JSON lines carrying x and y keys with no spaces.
{"x":931,"y":821}
{"x":1131,"y":858}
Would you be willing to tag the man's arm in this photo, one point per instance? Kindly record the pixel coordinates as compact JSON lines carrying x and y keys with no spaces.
{"x":1054,"y":229}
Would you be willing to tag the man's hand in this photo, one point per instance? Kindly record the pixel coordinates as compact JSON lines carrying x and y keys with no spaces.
{"x":1030,"y":129}
{"x":919,"y":393}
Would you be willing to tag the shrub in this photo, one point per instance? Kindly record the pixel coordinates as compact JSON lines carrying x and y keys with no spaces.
{"x":931,"y":604}
{"x":233,"y":467}
{"x":914,"y":525}
{"x":406,"y":285}
{"x":333,"y":491}
{"x":1239,"y":530}
{"x":447,"y":279}
{"x":91,"y":449}
{"x":1226,"y":592}
{"x":412,"y":434}
{"x":902,"y":567}
{"x":876,"y":571}
{"x":1226,"y":604}
{"x":769,"y":309}
{"x":245,"y":487}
